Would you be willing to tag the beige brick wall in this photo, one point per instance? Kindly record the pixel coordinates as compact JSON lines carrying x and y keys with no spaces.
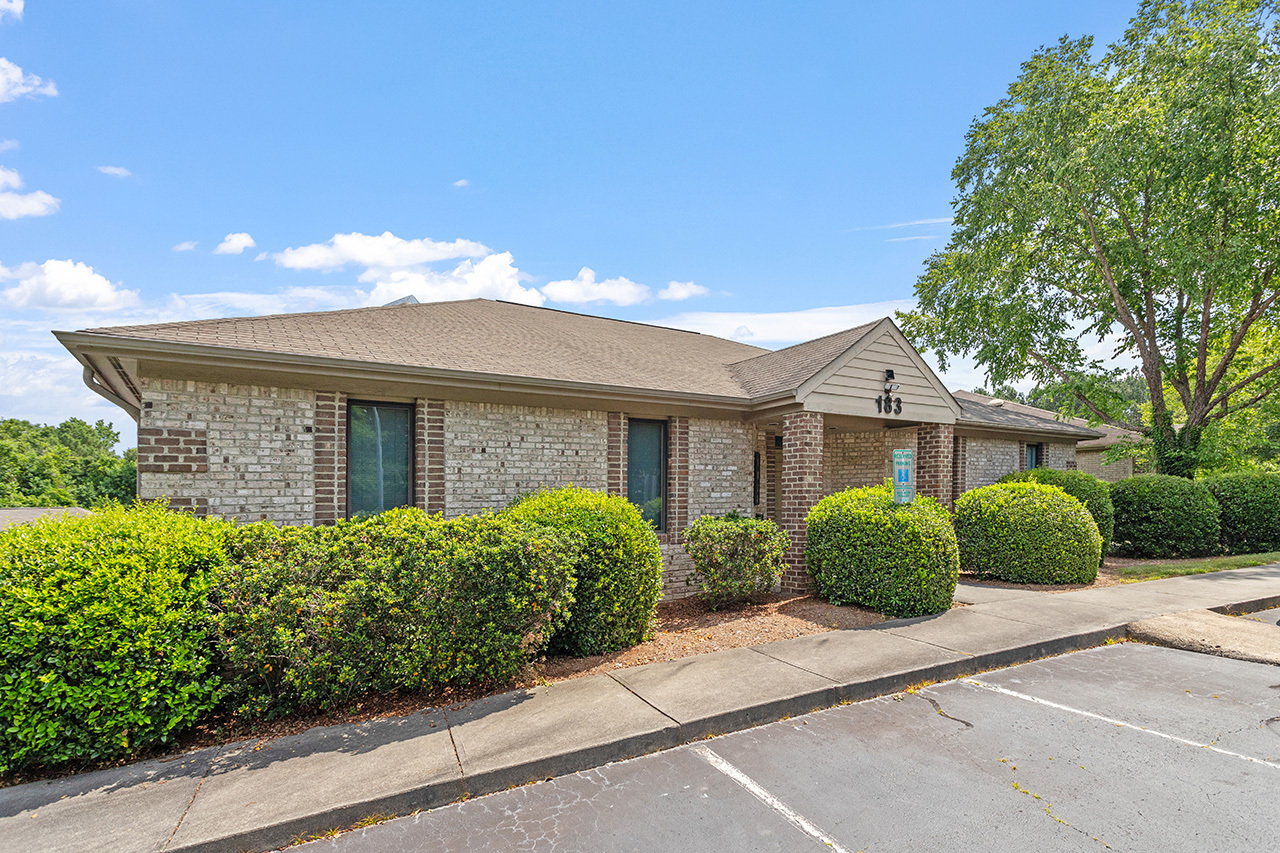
{"x":856,"y":459}
{"x":1094,"y":462}
{"x":1060,"y":455}
{"x":721,"y":465}
{"x":257,"y":446}
{"x":989,"y":459}
{"x":493,"y":453}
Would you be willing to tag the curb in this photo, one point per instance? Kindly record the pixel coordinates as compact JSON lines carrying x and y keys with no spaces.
{"x":442,"y":793}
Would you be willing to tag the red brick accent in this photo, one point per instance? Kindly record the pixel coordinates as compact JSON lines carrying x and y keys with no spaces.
{"x":1022,"y":456}
{"x":199,"y":507}
{"x":331,"y":457}
{"x":802,"y":441}
{"x":431,"y":456}
{"x":959,"y":466}
{"x":934,"y":469}
{"x":677,"y":480}
{"x":617,"y":454}
{"x":173,"y":451}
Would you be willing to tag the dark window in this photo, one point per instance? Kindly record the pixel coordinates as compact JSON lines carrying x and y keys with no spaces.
{"x":1033,"y":456}
{"x":755,"y":480}
{"x":379,"y":457}
{"x":647,"y":469}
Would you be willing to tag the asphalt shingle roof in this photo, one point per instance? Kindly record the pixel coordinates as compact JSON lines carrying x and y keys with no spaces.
{"x":786,"y":369}
{"x":483,"y":336}
{"x":980,"y":410}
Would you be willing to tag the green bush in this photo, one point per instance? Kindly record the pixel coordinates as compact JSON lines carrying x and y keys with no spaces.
{"x":1095,"y":494}
{"x":1162,"y":516}
{"x":618,"y":571}
{"x":1027,"y":533}
{"x":309,"y":616}
{"x":103,"y":633}
{"x":898,"y":559}
{"x":734,"y":557}
{"x":1249,"y":511}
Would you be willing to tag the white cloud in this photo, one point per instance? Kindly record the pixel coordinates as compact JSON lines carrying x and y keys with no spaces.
{"x":491,"y":277}
{"x":8,"y":145}
{"x":942,"y":220}
{"x":783,"y":328}
{"x":185,"y":246}
{"x":385,"y":251}
{"x":15,"y":205}
{"x":583,"y":288}
{"x":234,"y":244}
{"x":261,"y":256}
{"x":916,"y":237}
{"x":678,"y":291}
{"x":115,"y":171}
{"x":462,"y":183}
{"x":14,"y":83}
{"x":11,"y":8}
{"x":64,"y":286}
{"x":241,"y":303}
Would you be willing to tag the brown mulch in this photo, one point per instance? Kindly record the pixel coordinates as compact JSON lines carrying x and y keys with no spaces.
{"x":683,"y":628}
{"x":1107,"y":576}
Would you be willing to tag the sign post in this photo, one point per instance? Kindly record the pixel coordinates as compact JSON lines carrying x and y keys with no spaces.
{"x":904,"y":481}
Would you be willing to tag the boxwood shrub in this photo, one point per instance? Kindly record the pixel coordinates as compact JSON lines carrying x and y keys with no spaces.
{"x":734,"y":557}
{"x":1095,"y":494}
{"x":618,"y":569}
{"x":1027,"y":533}
{"x":1248,"y":511}
{"x":898,"y":559}
{"x":104,"y":647}
{"x":1162,"y":516}
{"x":309,"y":616}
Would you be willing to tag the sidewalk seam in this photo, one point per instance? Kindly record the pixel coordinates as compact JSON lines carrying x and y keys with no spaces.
{"x":627,"y":688}
{"x":192,"y":801}
{"x":462,"y":774}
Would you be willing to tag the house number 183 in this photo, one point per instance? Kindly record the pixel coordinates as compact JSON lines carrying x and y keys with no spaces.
{"x":887,"y":405}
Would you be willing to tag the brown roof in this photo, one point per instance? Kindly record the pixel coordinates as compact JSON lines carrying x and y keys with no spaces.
{"x":482,"y":336}
{"x":980,"y":410}
{"x":787,"y":369}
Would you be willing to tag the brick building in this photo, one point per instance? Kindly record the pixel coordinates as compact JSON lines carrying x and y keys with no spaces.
{"x":459,"y":407}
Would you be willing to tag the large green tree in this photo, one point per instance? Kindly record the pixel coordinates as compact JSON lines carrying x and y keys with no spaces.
{"x":1124,"y":206}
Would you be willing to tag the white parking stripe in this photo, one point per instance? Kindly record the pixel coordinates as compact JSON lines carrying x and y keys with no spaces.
{"x":796,"y":819}
{"x":1005,"y":691}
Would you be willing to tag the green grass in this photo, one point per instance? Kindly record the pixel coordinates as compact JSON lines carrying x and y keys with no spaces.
{"x":1156,"y":570}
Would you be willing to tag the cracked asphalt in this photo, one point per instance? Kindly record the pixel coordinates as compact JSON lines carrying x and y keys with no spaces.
{"x":1125,"y":747}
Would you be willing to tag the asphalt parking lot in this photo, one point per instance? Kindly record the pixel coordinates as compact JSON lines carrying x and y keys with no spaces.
{"x":1127,"y":747}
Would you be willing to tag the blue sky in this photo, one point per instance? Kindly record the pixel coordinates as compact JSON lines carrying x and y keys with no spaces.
{"x":769,"y":172}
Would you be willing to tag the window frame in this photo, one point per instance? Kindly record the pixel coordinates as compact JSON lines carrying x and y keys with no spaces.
{"x":1038,"y":450}
{"x":412,"y":409}
{"x":661,"y":526}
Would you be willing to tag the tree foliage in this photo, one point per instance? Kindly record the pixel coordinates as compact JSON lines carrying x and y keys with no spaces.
{"x":1131,"y":199}
{"x":71,"y":464}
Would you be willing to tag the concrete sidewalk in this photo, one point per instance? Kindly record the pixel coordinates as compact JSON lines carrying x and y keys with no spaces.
{"x":257,"y":797}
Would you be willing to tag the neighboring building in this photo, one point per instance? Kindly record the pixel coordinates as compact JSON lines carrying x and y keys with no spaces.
{"x":458,"y":407}
{"x":1091,"y":454}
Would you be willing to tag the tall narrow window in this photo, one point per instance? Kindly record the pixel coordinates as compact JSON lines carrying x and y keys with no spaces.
{"x":647,"y":469}
{"x":1033,"y":456}
{"x":379,"y":457}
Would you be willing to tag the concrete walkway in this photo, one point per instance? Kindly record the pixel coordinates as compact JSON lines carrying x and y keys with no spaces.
{"x":256,"y":797}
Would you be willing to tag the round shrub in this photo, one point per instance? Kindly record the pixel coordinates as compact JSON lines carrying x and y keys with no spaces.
{"x":103,"y":633}
{"x":618,"y":569}
{"x":1158,"y":515}
{"x":1095,"y":494}
{"x":1248,"y":511}
{"x":1027,"y":533}
{"x":897,"y":559}
{"x":735,"y":557}
{"x":310,"y":616}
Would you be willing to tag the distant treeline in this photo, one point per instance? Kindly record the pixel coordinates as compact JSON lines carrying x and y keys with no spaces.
{"x":71,"y":464}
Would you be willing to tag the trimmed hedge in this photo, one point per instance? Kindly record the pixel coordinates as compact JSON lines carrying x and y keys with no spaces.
{"x":618,"y":569}
{"x":104,"y":648}
{"x":1158,"y":515}
{"x":309,"y":616}
{"x":734,"y":557}
{"x":1027,"y":533}
{"x":1095,"y":494}
{"x":1248,"y":511}
{"x":897,"y":559}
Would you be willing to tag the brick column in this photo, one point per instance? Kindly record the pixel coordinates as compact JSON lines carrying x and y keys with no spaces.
{"x":616,"y":454}
{"x":959,"y":466}
{"x":428,"y":455}
{"x":802,"y":438}
{"x":934,"y":461}
{"x":677,"y":477}
{"x":330,"y":445}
